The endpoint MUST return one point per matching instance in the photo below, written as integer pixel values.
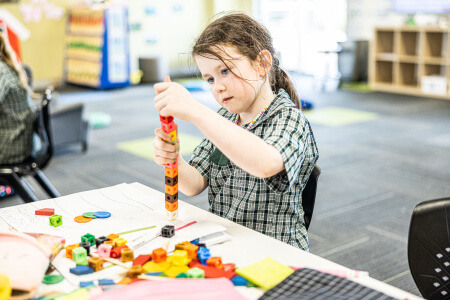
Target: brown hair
(9, 57)
(250, 38)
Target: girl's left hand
(174, 100)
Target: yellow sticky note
(265, 273)
(151, 266)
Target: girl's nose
(219, 88)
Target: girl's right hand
(164, 152)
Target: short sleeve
(287, 135)
(200, 158)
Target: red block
(141, 259)
(212, 272)
(117, 252)
(168, 127)
(166, 119)
(45, 212)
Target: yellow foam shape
(81, 294)
(173, 271)
(151, 266)
(265, 273)
(5, 287)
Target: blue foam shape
(81, 270)
(195, 242)
(239, 281)
(102, 214)
(86, 283)
(154, 273)
(106, 282)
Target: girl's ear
(264, 63)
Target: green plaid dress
(273, 205)
(16, 118)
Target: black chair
(309, 195)
(14, 175)
(429, 248)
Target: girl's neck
(263, 100)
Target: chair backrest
(429, 248)
(42, 129)
(309, 195)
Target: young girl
(259, 149)
(16, 108)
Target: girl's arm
(246, 150)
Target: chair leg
(46, 184)
(21, 188)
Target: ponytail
(9, 57)
(280, 80)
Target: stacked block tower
(171, 172)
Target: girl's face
(233, 93)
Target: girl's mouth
(225, 100)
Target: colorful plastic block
(117, 252)
(168, 172)
(171, 206)
(86, 284)
(171, 190)
(189, 248)
(172, 165)
(174, 270)
(95, 263)
(171, 198)
(127, 255)
(168, 127)
(120, 242)
(173, 136)
(215, 261)
(135, 271)
(87, 246)
(5, 287)
(55, 220)
(172, 215)
(88, 238)
(69, 249)
(151, 266)
(179, 258)
(45, 212)
(159, 255)
(104, 250)
(100, 240)
(111, 243)
(168, 231)
(106, 282)
(171, 180)
(239, 281)
(203, 254)
(81, 270)
(196, 273)
(167, 119)
(79, 256)
(212, 272)
(141, 259)
(113, 236)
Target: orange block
(191, 249)
(171, 172)
(159, 255)
(172, 190)
(69, 249)
(215, 262)
(172, 206)
(113, 236)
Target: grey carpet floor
(373, 172)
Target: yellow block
(120, 242)
(5, 287)
(173, 134)
(151, 266)
(173, 271)
(179, 258)
(265, 273)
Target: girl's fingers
(161, 86)
(163, 160)
(162, 134)
(167, 79)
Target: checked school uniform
(273, 205)
(16, 118)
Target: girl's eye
(225, 72)
(210, 80)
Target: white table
(248, 246)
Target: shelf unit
(406, 60)
(97, 48)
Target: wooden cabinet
(411, 60)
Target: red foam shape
(45, 212)
(212, 272)
(141, 259)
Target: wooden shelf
(406, 60)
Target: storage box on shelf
(97, 48)
(411, 60)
